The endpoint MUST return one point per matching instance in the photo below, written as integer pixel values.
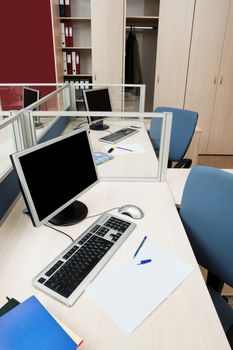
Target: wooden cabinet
(221, 130)
(107, 41)
(142, 17)
(203, 77)
(111, 23)
(163, 31)
(174, 35)
(194, 64)
(185, 52)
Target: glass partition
(14, 129)
(121, 95)
(33, 124)
(16, 96)
(59, 100)
(11, 97)
(134, 158)
(7, 147)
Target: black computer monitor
(97, 100)
(53, 174)
(30, 96)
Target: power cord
(106, 211)
(87, 217)
(77, 127)
(60, 231)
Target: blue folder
(29, 326)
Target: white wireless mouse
(131, 210)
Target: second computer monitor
(31, 96)
(97, 100)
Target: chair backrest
(207, 214)
(183, 127)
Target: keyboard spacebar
(66, 288)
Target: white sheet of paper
(135, 148)
(129, 293)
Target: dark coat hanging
(133, 73)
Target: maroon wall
(26, 42)
(26, 48)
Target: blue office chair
(207, 214)
(183, 127)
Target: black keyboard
(118, 135)
(66, 277)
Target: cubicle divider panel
(139, 163)
(134, 158)
(16, 129)
(121, 96)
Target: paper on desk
(129, 293)
(135, 148)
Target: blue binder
(30, 326)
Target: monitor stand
(71, 215)
(38, 123)
(99, 126)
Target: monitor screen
(53, 174)
(97, 100)
(30, 96)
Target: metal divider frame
(164, 145)
(24, 129)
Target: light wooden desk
(186, 320)
(129, 166)
(176, 179)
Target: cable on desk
(60, 231)
(77, 127)
(106, 211)
(91, 216)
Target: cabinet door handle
(158, 79)
(94, 76)
(221, 80)
(215, 80)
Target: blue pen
(125, 149)
(146, 261)
(140, 246)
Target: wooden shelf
(78, 75)
(142, 20)
(88, 19)
(76, 48)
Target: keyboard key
(54, 268)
